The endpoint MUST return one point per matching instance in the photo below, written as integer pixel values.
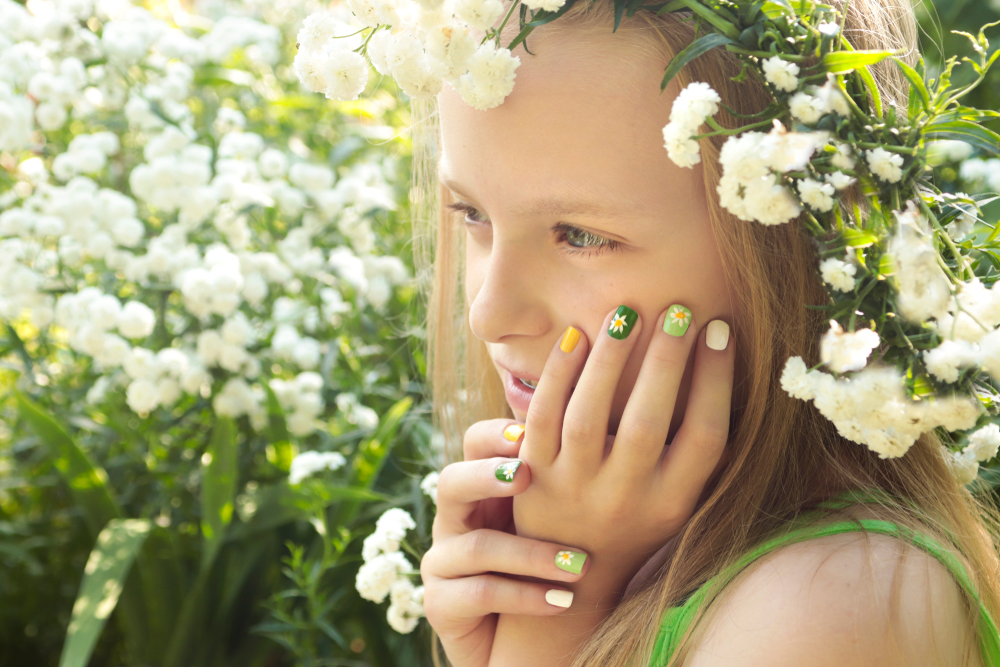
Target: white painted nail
(717, 336)
(559, 598)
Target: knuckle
(709, 434)
(577, 428)
(477, 545)
(643, 429)
(484, 591)
(446, 481)
(432, 605)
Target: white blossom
(797, 381)
(136, 320)
(838, 274)
(782, 74)
(963, 466)
(309, 463)
(924, 290)
(490, 77)
(946, 360)
(839, 180)
(345, 73)
(806, 108)
(984, 442)
(885, 164)
(429, 485)
(816, 195)
(376, 577)
(482, 14)
(847, 351)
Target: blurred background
(215, 447)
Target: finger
(464, 484)
(486, 550)
(642, 433)
(586, 423)
(701, 439)
(543, 427)
(454, 600)
(492, 437)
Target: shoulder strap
(677, 619)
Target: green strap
(677, 619)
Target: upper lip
(518, 374)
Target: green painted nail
(505, 471)
(571, 561)
(622, 322)
(677, 321)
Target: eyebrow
(559, 206)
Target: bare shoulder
(829, 601)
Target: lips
(518, 393)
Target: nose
(506, 297)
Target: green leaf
(856, 238)
(870, 84)
(841, 62)
(963, 130)
(916, 81)
(539, 18)
(218, 489)
(87, 481)
(103, 580)
(696, 48)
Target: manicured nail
(513, 432)
(505, 471)
(569, 340)
(677, 321)
(622, 322)
(717, 336)
(571, 561)
(559, 598)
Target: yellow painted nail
(569, 340)
(513, 432)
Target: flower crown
(910, 277)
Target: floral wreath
(911, 278)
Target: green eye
(579, 238)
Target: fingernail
(505, 471)
(677, 321)
(569, 340)
(513, 432)
(571, 561)
(622, 322)
(717, 336)
(559, 598)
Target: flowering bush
(203, 307)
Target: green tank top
(677, 619)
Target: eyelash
(598, 244)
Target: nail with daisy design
(677, 321)
(622, 322)
(505, 471)
(571, 561)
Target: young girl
(636, 486)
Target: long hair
(784, 456)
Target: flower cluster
(309, 463)
(224, 257)
(419, 43)
(385, 571)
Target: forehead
(585, 118)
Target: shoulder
(839, 600)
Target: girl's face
(573, 208)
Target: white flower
(681, 148)
(309, 463)
(696, 102)
(377, 48)
(376, 577)
(838, 274)
(797, 380)
(310, 67)
(450, 46)
(924, 290)
(741, 159)
(345, 73)
(839, 180)
(984, 442)
(843, 351)
(547, 5)
(963, 466)
(142, 395)
(833, 97)
(136, 320)
(394, 523)
(781, 74)
(786, 151)
(490, 77)
(317, 29)
(989, 351)
(366, 11)
(842, 157)
(806, 107)
(480, 14)
(962, 226)
(816, 195)
(429, 485)
(884, 164)
(378, 543)
(945, 361)
(769, 202)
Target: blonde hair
(784, 456)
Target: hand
(474, 544)
(620, 498)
